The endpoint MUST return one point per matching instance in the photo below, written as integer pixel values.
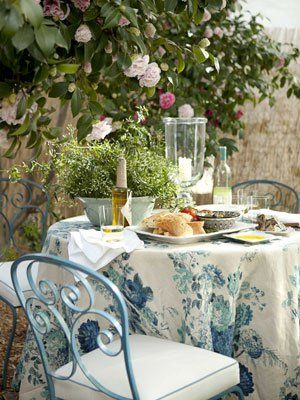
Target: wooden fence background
(271, 146)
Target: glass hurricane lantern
(185, 147)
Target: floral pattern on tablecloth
(222, 296)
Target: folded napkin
(284, 217)
(86, 247)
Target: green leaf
(130, 14)
(84, 126)
(46, 38)
(76, 102)
(60, 41)
(68, 68)
(10, 152)
(95, 108)
(200, 54)
(23, 38)
(32, 11)
(170, 5)
(109, 105)
(5, 89)
(151, 91)
(112, 19)
(22, 128)
(22, 106)
(41, 74)
(59, 89)
(124, 60)
(13, 22)
(181, 63)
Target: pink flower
(239, 114)
(87, 68)
(81, 4)
(138, 66)
(100, 130)
(123, 21)
(166, 100)
(206, 16)
(83, 34)
(281, 62)
(208, 33)
(161, 51)
(186, 111)
(218, 31)
(52, 9)
(151, 76)
(4, 141)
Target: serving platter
(239, 226)
(251, 237)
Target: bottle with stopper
(121, 196)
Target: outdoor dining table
(235, 299)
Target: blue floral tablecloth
(242, 301)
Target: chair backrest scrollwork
(282, 197)
(62, 306)
(20, 199)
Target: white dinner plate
(190, 239)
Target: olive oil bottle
(121, 196)
(222, 193)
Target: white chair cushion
(6, 286)
(163, 370)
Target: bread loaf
(152, 221)
(175, 225)
(197, 227)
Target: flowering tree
(91, 53)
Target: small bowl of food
(217, 220)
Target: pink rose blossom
(100, 130)
(83, 34)
(206, 16)
(218, 31)
(123, 21)
(186, 111)
(81, 4)
(239, 114)
(52, 9)
(151, 76)
(161, 51)
(87, 68)
(166, 100)
(138, 66)
(208, 33)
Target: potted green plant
(88, 172)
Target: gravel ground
(5, 326)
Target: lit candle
(185, 169)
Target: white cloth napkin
(86, 247)
(283, 217)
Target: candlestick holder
(185, 147)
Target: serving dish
(216, 220)
(239, 226)
(250, 237)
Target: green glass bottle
(222, 193)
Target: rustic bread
(175, 225)
(151, 222)
(185, 216)
(197, 227)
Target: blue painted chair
(16, 201)
(282, 197)
(123, 366)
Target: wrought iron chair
(122, 366)
(282, 197)
(16, 203)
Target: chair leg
(10, 342)
(234, 389)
